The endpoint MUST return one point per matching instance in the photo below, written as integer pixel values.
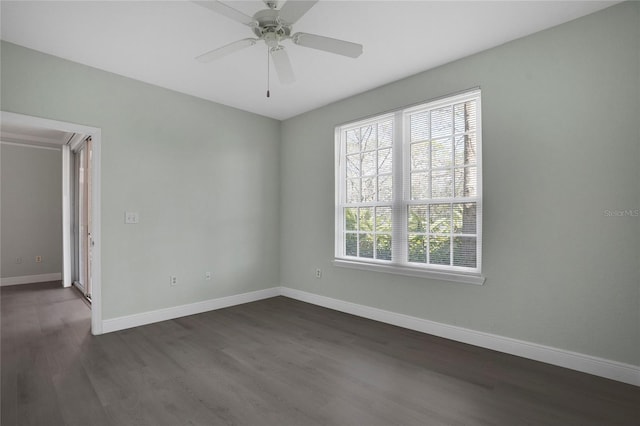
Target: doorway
(88, 266)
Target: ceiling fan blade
(295, 9)
(226, 50)
(283, 65)
(328, 44)
(228, 11)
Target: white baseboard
(144, 318)
(614, 370)
(30, 279)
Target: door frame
(96, 136)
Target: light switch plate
(131, 217)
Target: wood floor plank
(9, 385)
(274, 362)
(37, 402)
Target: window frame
(401, 200)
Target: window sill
(412, 272)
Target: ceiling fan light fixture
(271, 40)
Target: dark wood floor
(274, 362)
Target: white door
(82, 234)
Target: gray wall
(204, 178)
(31, 210)
(561, 145)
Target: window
(408, 191)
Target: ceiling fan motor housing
(270, 28)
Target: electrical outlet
(18, 260)
(173, 281)
(38, 259)
(318, 273)
(131, 218)
(207, 276)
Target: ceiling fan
(274, 26)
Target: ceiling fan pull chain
(268, 94)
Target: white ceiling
(156, 42)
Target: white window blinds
(408, 187)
